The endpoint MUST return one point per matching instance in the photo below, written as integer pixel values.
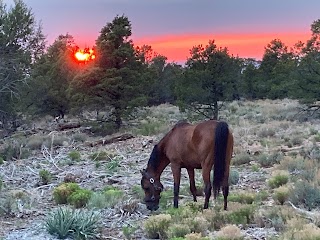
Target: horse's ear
(143, 171)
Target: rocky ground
(34, 200)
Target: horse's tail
(220, 150)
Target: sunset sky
(172, 27)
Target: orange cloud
(176, 47)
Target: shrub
(266, 132)
(279, 177)
(166, 199)
(156, 226)
(112, 165)
(106, 199)
(14, 150)
(242, 214)
(55, 141)
(79, 198)
(215, 217)
(102, 128)
(275, 216)
(63, 191)
(299, 231)
(98, 201)
(35, 142)
(113, 196)
(177, 230)
(101, 156)
(195, 236)
(1, 184)
(281, 194)
(233, 177)
(138, 191)
(78, 224)
(266, 160)
(128, 231)
(197, 224)
(230, 232)
(242, 158)
(45, 176)
(1, 160)
(305, 194)
(79, 137)
(243, 197)
(74, 156)
(151, 126)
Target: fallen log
(119, 138)
(64, 126)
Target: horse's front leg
(176, 171)
(193, 188)
(207, 186)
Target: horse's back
(190, 145)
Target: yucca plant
(78, 224)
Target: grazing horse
(207, 145)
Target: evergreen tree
(211, 76)
(119, 78)
(21, 44)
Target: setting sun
(85, 55)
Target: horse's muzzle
(153, 208)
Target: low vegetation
(274, 182)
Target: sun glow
(85, 55)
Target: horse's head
(152, 189)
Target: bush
(79, 198)
(178, 230)
(242, 214)
(278, 178)
(79, 137)
(195, 236)
(151, 126)
(266, 160)
(230, 232)
(35, 142)
(78, 224)
(281, 194)
(242, 158)
(1, 160)
(113, 196)
(275, 216)
(63, 191)
(112, 165)
(45, 176)
(301, 231)
(266, 132)
(102, 128)
(74, 156)
(14, 150)
(305, 194)
(243, 197)
(101, 156)
(233, 177)
(156, 226)
(197, 224)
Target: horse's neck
(158, 171)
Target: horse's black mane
(154, 158)
(181, 123)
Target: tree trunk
(215, 110)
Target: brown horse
(207, 145)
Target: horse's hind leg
(193, 188)
(176, 171)
(207, 186)
(225, 191)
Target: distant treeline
(37, 80)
